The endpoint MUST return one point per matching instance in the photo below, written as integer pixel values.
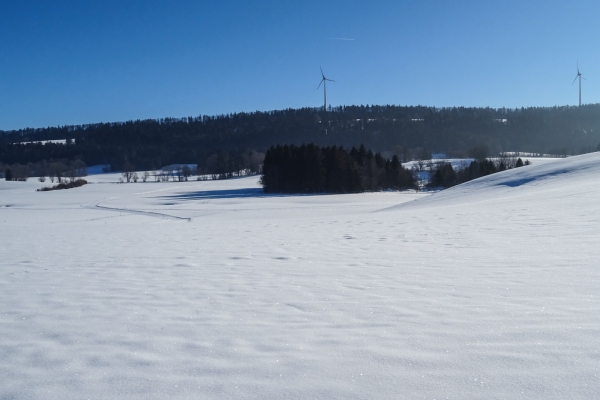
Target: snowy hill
(211, 289)
(573, 173)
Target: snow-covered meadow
(210, 289)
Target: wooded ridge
(406, 131)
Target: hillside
(409, 132)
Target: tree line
(444, 175)
(312, 169)
(58, 170)
(407, 132)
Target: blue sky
(75, 62)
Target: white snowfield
(212, 290)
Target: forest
(239, 140)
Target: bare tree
(164, 176)
(252, 161)
(128, 171)
(43, 170)
(80, 168)
(145, 176)
(56, 171)
(506, 161)
(170, 173)
(186, 172)
(20, 172)
(71, 173)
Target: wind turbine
(580, 77)
(324, 83)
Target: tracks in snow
(154, 214)
(139, 212)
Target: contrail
(340, 38)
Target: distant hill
(408, 132)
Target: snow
(211, 289)
(58, 141)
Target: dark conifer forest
(311, 169)
(407, 132)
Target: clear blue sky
(74, 62)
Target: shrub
(60, 186)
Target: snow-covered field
(211, 290)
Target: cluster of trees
(16, 173)
(55, 170)
(444, 175)
(220, 165)
(183, 172)
(313, 169)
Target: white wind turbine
(580, 77)
(324, 83)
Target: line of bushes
(64, 185)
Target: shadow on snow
(235, 194)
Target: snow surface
(192, 290)
(60, 141)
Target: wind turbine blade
(330, 80)
(322, 74)
(575, 79)
(320, 84)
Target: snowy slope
(532, 182)
(212, 290)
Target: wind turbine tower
(580, 77)
(324, 83)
